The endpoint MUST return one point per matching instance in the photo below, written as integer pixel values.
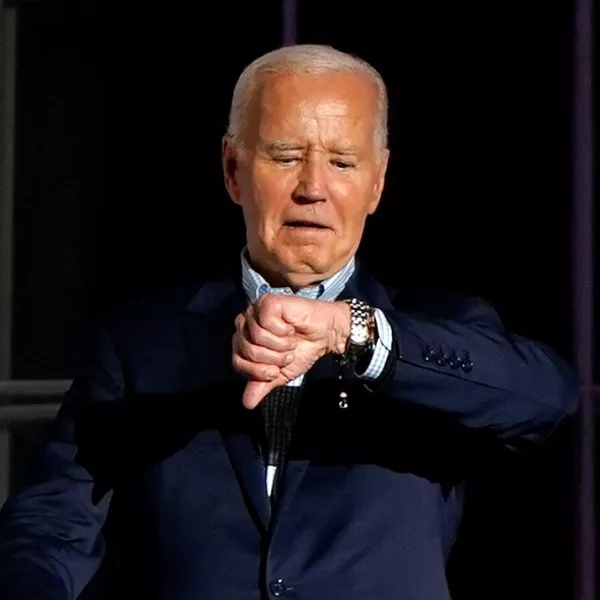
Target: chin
(308, 263)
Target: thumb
(256, 391)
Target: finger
(255, 393)
(240, 322)
(260, 354)
(268, 314)
(260, 336)
(255, 371)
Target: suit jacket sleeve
(50, 530)
(460, 361)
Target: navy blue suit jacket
(151, 466)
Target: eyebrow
(280, 146)
(345, 150)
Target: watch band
(361, 340)
(362, 326)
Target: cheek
(265, 203)
(355, 200)
(271, 191)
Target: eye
(342, 164)
(286, 160)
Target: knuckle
(265, 305)
(250, 352)
(253, 330)
(260, 303)
(304, 316)
(236, 361)
(265, 371)
(267, 322)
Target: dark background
(119, 193)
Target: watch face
(360, 336)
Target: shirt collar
(255, 285)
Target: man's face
(307, 174)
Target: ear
(379, 181)
(230, 156)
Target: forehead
(328, 104)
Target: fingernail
(272, 372)
(289, 358)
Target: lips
(304, 223)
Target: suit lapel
(208, 329)
(250, 474)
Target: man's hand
(279, 338)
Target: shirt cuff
(382, 349)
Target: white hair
(309, 59)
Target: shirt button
(277, 588)
(263, 289)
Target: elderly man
(297, 429)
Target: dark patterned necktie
(279, 410)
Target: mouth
(305, 224)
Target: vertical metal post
(289, 22)
(8, 43)
(4, 473)
(8, 49)
(583, 292)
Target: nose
(311, 182)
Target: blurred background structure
(110, 188)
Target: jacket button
(277, 588)
(429, 354)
